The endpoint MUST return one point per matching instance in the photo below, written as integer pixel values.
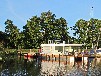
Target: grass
(28, 50)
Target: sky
(19, 11)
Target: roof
(62, 44)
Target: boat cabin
(59, 48)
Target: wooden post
(59, 59)
(66, 59)
(27, 55)
(83, 60)
(49, 57)
(46, 57)
(55, 57)
(52, 57)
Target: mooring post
(66, 59)
(49, 57)
(46, 57)
(55, 57)
(52, 57)
(27, 55)
(59, 59)
(83, 60)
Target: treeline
(46, 27)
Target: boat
(30, 54)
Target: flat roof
(62, 44)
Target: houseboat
(59, 48)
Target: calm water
(15, 66)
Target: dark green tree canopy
(12, 33)
(40, 29)
(46, 27)
(88, 32)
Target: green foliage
(28, 50)
(53, 28)
(32, 33)
(88, 32)
(46, 27)
(10, 50)
(39, 30)
(12, 33)
(2, 39)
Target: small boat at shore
(30, 54)
(33, 55)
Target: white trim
(62, 44)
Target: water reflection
(19, 67)
(32, 67)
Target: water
(16, 66)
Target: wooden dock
(66, 58)
(60, 58)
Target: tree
(12, 33)
(2, 39)
(32, 33)
(41, 29)
(53, 28)
(88, 32)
